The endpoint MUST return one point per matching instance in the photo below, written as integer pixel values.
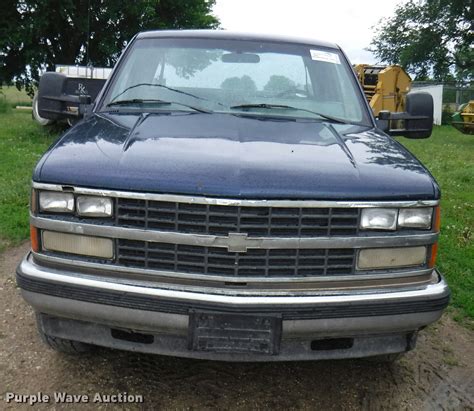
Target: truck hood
(227, 155)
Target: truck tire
(42, 121)
(71, 121)
(61, 344)
(65, 346)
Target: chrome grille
(218, 261)
(223, 219)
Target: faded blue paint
(226, 155)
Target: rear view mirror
(54, 103)
(416, 122)
(240, 58)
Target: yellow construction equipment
(385, 87)
(463, 120)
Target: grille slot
(222, 219)
(218, 261)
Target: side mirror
(416, 122)
(54, 103)
(420, 107)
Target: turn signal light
(34, 238)
(78, 244)
(434, 253)
(386, 258)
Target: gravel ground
(439, 374)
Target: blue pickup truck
(231, 197)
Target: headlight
(85, 206)
(56, 202)
(90, 206)
(379, 218)
(373, 258)
(415, 217)
(391, 218)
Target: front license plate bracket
(234, 333)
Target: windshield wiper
(154, 101)
(136, 101)
(285, 107)
(162, 86)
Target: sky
(345, 22)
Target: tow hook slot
(329, 344)
(234, 284)
(131, 336)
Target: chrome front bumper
(81, 307)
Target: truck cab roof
(234, 35)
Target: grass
(4, 105)
(22, 141)
(14, 97)
(448, 154)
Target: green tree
(279, 84)
(430, 38)
(244, 84)
(37, 34)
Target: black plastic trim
(149, 303)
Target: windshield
(238, 77)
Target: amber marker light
(436, 228)
(34, 238)
(434, 252)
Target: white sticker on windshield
(325, 56)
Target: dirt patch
(439, 374)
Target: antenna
(88, 63)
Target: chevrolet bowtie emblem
(237, 242)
